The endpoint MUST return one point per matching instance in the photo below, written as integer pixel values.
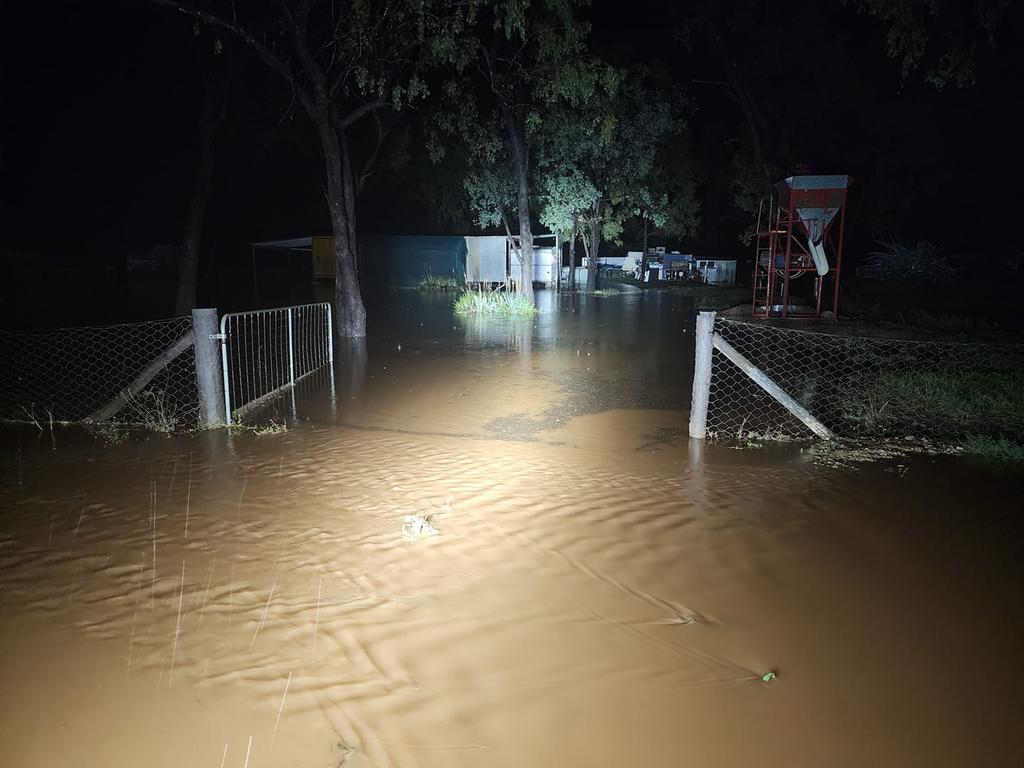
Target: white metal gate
(264, 353)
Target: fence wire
(866, 387)
(68, 374)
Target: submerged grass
(152, 410)
(272, 427)
(432, 282)
(494, 303)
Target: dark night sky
(99, 104)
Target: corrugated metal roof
(294, 243)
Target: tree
(565, 196)
(492, 188)
(221, 71)
(527, 60)
(939, 36)
(600, 162)
(342, 61)
(747, 48)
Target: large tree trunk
(595, 244)
(525, 245)
(348, 178)
(556, 266)
(521, 156)
(215, 103)
(572, 260)
(350, 314)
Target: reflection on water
(601, 592)
(426, 369)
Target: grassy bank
(705, 297)
(985, 408)
(993, 448)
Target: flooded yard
(599, 592)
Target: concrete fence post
(703, 347)
(209, 379)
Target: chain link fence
(862, 388)
(136, 373)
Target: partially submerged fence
(267, 351)
(754, 380)
(139, 372)
(163, 374)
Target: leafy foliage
(611, 161)
(342, 61)
(940, 35)
(531, 60)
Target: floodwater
(599, 592)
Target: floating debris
(417, 526)
(768, 677)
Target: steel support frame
(782, 224)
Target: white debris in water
(417, 527)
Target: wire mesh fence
(138, 373)
(867, 388)
(269, 350)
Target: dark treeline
(110, 114)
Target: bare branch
(511, 240)
(268, 56)
(371, 161)
(362, 111)
(300, 43)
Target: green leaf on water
(768, 677)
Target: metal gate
(266, 352)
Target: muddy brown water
(600, 593)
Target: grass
(952, 323)
(431, 282)
(153, 410)
(110, 432)
(494, 303)
(749, 439)
(272, 427)
(705, 296)
(993, 448)
(937, 324)
(944, 403)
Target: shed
(486, 258)
(490, 260)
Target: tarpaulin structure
(392, 261)
(401, 261)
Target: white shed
(487, 259)
(490, 260)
